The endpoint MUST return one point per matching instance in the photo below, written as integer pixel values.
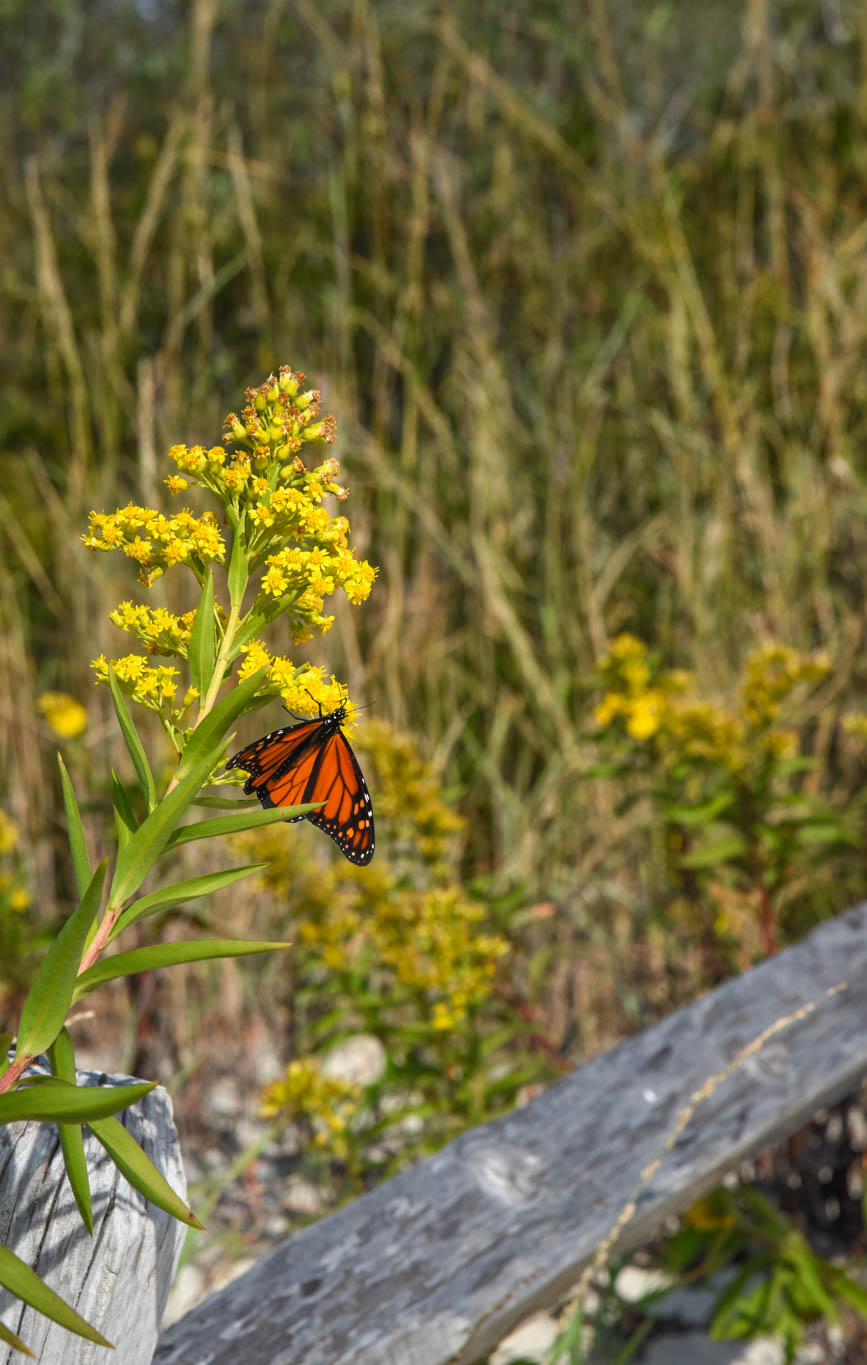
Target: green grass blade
(200, 655)
(231, 824)
(25, 1284)
(182, 891)
(62, 1060)
(75, 832)
(140, 1171)
(133, 743)
(47, 1099)
(169, 955)
(44, 1011)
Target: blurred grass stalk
(596, 333)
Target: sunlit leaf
(62, 1061)
(182, 891)
(139, 1170)
(75, 832)
(169, 955)
(25, 1284)
(57, 1102)
(45, 1009)
(200, 654)
(231, 824)
(131, 738)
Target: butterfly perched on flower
(312, 761)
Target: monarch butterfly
(312, 761)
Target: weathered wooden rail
(438, 1264)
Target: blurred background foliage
(587, 293)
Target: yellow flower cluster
(329, 1102)
(433, 944)
(302, 687)
(652, 705)
(153, 687)
(771, 674)
(14, 895)
(66, 716)
(157, 542)
(162, 631)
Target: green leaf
(75, 832)
(139, 1170)
(125, 822)
(200, 655)
(133, 743)
(62, 1060)
(231, 824)
(690, 817)
(239, 571)
(848, 1289)
(25, 1284)
(5, 1044)
(180, 892)
(136, 860)
(210, 731)
(222, 802)
(11, 1340)
(44, 1011)
(716, 851)
(50, 1100)
(169, 955)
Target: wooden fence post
(119, 1279)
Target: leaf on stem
(133, 743)
(47, 1099)
(182, 891)
(25, 1284)
(139, 1170)
(244, 819)
(200, 655)
(45, 1009)
(125, 822)
(61, 1058)
(169, 955)
(75, 832)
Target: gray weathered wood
(441, 1262)
(119, 1279)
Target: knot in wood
(508, 1174)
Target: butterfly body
(312, 761)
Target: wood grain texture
(438, 1264)
(119, 1279)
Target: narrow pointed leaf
(139, 1170)
(125, 822)
(25, 1284)
(222, 802)
(239, 570)
(231, 824)
(133, 743)
(75, 832)
(11, 1340)
(5, 1044)
(51, 1100)
(151, 837)
(62, 1060)
(169, 955)
(48, 1000)
(200, 654)
(182, 891)
(215, 724)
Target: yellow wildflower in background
(66, 716)
(330, 1103)
(8, 833)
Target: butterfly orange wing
(312, 761)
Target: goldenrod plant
(285, 553)
(726, 788)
